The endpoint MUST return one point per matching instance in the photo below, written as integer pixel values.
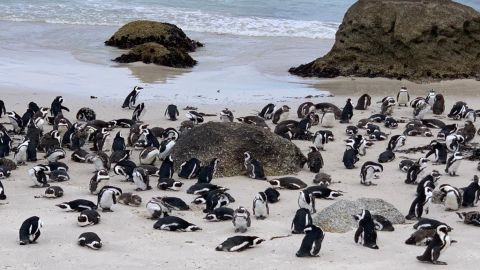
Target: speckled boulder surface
(337, 218)
(228, 142)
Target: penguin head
(285, 108)
(475, 179)
(442, 229)
(313, 149)
(64, 206)
(211, 217)
(11, 114)
(214, 162)
(199, 200)
(137, 88)
(192, 228)
(247, 156)
(257, 241)
(275, 183)
(95, 245)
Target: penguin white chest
(451, 202)
(403, 98)
(260, 209)
(328, 119)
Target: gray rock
(337, 218)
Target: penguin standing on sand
(241, 219)
(306, 200)
(16, 122)
(21, 156)
(396, 142)
(166, 169)
(189, 169)
(451, 197)
(260, 206)
(440, 242)
(347, 112)
(207, 173)
(301, 220)
(471, 193)
(172, 112)
(366, 230)
(131, 99)
(403, 97)
(420, 203)
(57, 107)
(363, 102)
(312, 242)
(254, 167)
(321, 138)
(439, 152)
(314, 160)
(118, 142)
(281, 114)
(305, 109)
(226, 115)
(267, 111)
(453, 163)
(141, 179)
(138, 112)
(328, 119)
(430, 99)
(439, 104)
(350, 157)
(368, 171)
(416, 171)
(107, 197)
(30, 230)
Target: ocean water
(295, 18)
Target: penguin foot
(107, 210)
(439, 263)
(410, 217)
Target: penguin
(439, 151)
(2, 108)
(396, 142)
(53, 192)
(239, 243)
(314, 160)
(453, 142)
(322, 192)
(57, 107)
(97, 178)
(312, 242)
(273, 195)
(122, 122)
(125, 168)
(420, 237)
(131, 199)
(322, 179)
(321, 138)
(148, 156)
(138, 112)
(151, 170)
(378, 118)
(100, 160)
(141, 179)
(403, 97)
(174, 203)
(88, 217)
(21, 156)
(156, 208)
(368, 171)
(363, 102)
(241, 219)
(254, 120)
(391, 122)
(351, 130)
(405, 165)
(166, 169)
(453, 163)
(471, 218)
(421, 108)
(4, 172)
(253, 166)
(382, 223)
(429, 224)
(451, 197)
(306, 200)
(260, 206)
(350, 157)
(194, 117)
(304, 109)
(189, 169)
(347, 112)
(378, 136)
(77, 205)
(59, 176)
(267, 111)
(226, 115)
(39, 176)
(16, 122)
(207, 173)
(131, 98)
(2, 192)
(371, 128)
(107, 197)
(203, 188)
(420, 203)
(281, 114)
(86, 114)
(328, 119)
(301, 220)
(118, 142)
(447, 130)
(288, 182)
(416, 171)
(471, 193)
(469, 114)
(439, 243)
(433, 123)
(438, 106)
(457, 110)
(468, 131)
(171, 223)
(366, 230)
(169, 183)
(91, 240)
(30, 230)
(387, 105)
(220, 214)
(172, 112)
(53, 155)
(166, 148)
(217, 198)
(430, 98)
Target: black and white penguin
(151, 170)
(39, 176)
(378, 118)
(102, 176)
(323, 192)
(194, 117)
(403, 97)
(457, 110)
(421, 108)
(321, 138)
(322, 179)
(207, 173)
(371, 128)
(328, 119)
(4, 172)
(391, 122)
(382, 223)
(156, 208)
(446, 131)
(118, 142)
(77, 205)
(220, 214)
(59, 176)
(468, 131)
(440, 242)
(189, 169)
(172, 112)
(122, 122)
(2, 108)
(267, 111)
(420, 203)
(57, 107)
(21, 156)
(107, 197)
(350, 157)
(166, 147)
(30, 230)
(131, 98)
(301, 220)
(273, 195)
(430, 98)
(439, 150)
(239, 243)
(420, 237)
(91, 240)
(148, 156)
(433, 123)
(55, 154)
(203, 188)
(368, 171)
(314, 160)
(471, 193)
(281, 114)
(416, 171)
(88, 217)
(306, 200)
(312, 242)
(86, 114)
(451, 197)
(226, 115)
(363, 102)
(378, 136)
(260, 206)
(288, 182)
(16, 122)
(124, 168)
(172, 223)
(169, 183)
(453, 163)
(351, 130)
(438, 106)
(453, 142)
(366, 233)
(131, 199)
(387, 105)
(217, 198)
(405, 165)
(470, 218)
(138, 112)
(305, 109)
(100, 161)
(241, 219)
(2, 192)
(141, 179)
(174, 203)
(253, 166)
(396, 141)
(166, 169)
(429, 224)
(347, 112)
(53, 192)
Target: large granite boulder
(140, 32)
(338, 218)
(228, 142)
(155, 53)
(412, 39)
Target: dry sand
(130, 242)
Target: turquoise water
(297, 18)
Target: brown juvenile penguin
(439, 104)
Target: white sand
(131, 242)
